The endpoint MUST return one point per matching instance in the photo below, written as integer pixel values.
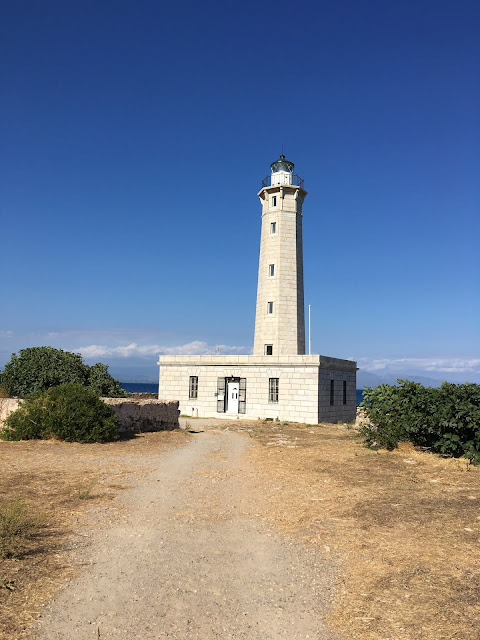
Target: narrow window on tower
(273, 389)
(273, 227)
(193, 387)
(274, 201)
(269, 349)
(271, 270)
(344, 392)
(269, 308)
(332, 393)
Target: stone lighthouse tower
(278, 381)
(280, 316)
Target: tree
(103, 383)
(37, 369)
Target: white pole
(309, 333)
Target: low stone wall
(8, 406)
(361, 419)
(136, 416)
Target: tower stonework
(280, 316)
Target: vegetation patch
(403, 528)
(37, 369)
(17, 527)
(68, 412)
(443, 420)
(58, 476)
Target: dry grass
(58, 482)
(404, 527)
(18, 526)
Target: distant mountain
(366, 379)
(149, 374)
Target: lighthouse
(278, 381)
(280, 316)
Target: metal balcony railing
(297, 181)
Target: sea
(152, 387)
(140, 387)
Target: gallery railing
(297, 181)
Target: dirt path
(190, 557)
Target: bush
(68, 412)
(445, 420)
(16, 526)
(37, 369)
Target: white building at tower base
(298, 388)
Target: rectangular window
(344, 392)
(271, 270)
(332, 393)
(193, 387)
(269, 349)
(269, 308)
(273, 227)
(273, 389)
(274, 201)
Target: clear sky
(135, 135)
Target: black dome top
(282, 164)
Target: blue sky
(135, 136)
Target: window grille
(221, 395)
(273, 389)
(193, 387)
(242, 396)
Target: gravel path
(192, 557)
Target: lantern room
(282, 171)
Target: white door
(232, 396)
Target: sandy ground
(189, 555)
(243, 530)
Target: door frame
(232, 380)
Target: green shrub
(16, 527)
(37, 369)
(68, 412)
(103, 383)
(445, 420)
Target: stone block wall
(137, 416)
(301, 394)
(338, 411)
(134, 416)
(297, 391)
(7, 406)
(284, 329)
